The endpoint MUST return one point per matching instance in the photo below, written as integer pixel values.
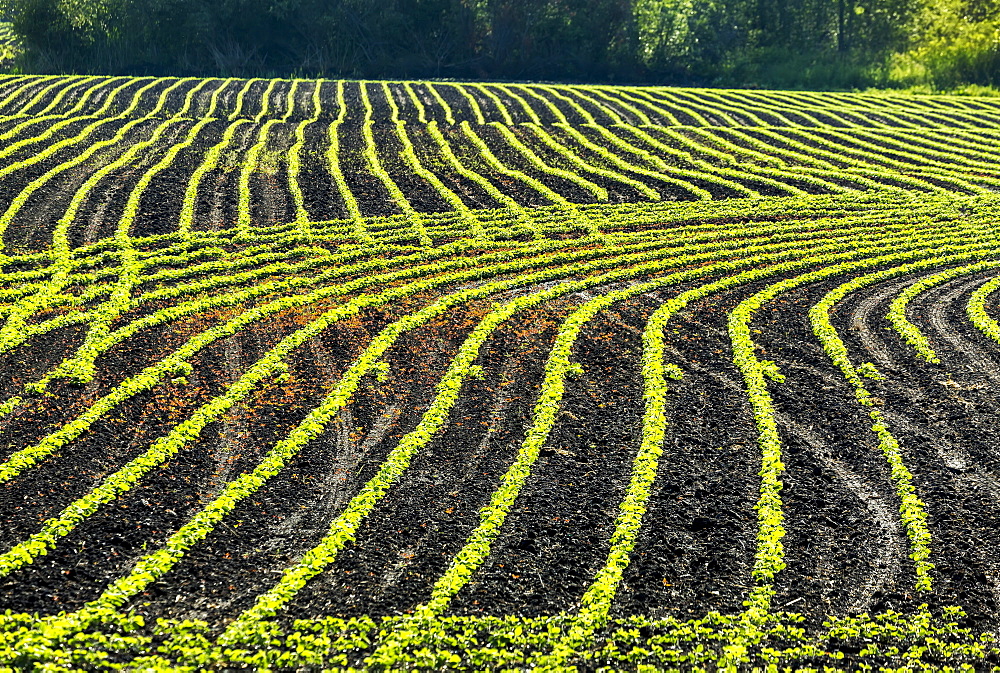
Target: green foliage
(803, 43)
(956, 42)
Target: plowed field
(315, 375)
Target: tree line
(767, 43)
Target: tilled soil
(845, 545)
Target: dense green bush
(768, 43)
(957, 42)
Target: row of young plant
(241, 96)
(15, 330)
(207, 282)
(313, 258)
(923, 151)
(640, 108)
(491, 160)
(828, 178)
(100, 120)
(295, 157)
(100, 338)
(512, 92)
(844, 146)
(474, 106)
(668, 116)
(766, 145)
(753, 113)
(21, 199)
(154, 373)
(607, 136)
(122, 235)
(496, 221)
(756, 158)
(715, 107)
(12, 332)
(331, 267)
(496, 100)
(596, 602)
(189, 98)
(691, 107)
(370, 154)
(45, 120)
(911, 509)
(446, 152)
(915, 176)
(890, 641)
(920, 112)
(675, 106)
(877, 208)
(413, 161)
(216, 282)
(89, 256)
(871, 174)
(92, 254)
(502, 500)
(896, 316)
(547, 139)
(615, 175)
(80, 367)
(593, 216)
(539, 164)
(11, 108)
(12, 86)
(311, 426)
(707, 172)
(414, 98)
(394, 650)
(979, 144)
(495, 498)
(576, 98)
(202, 303)
(343, 528)
(411, 626)
(769, 558)
(333, 163)
(89, 271)
(976, 310)
(813, 110)
(248, 167)
(823, 112)
(449, 115)
(183, 434)
(161, 294)
(92, 149)
(209, 164)
(185, 108)
(175, 261)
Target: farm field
(327, 375)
